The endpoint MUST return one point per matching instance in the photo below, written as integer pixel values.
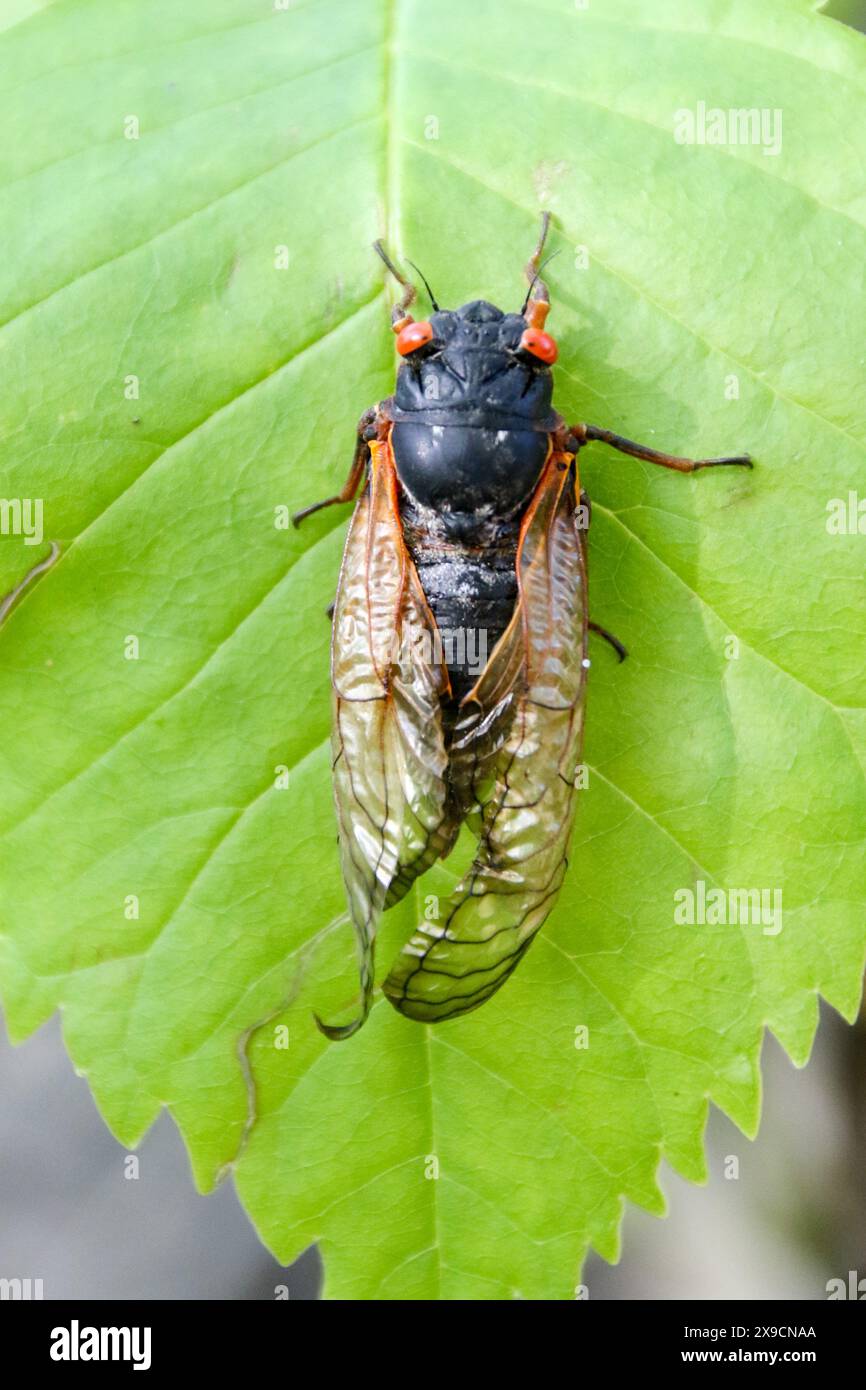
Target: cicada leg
(367, 430)
(584, 434)
(621, 651)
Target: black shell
(472, 372)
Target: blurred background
(793, 1219)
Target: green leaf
(717, 306)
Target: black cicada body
(459, 648)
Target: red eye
(413, 336)
(540, 344)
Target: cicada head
(476, 365)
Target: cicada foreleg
(367, 430)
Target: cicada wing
(515, 753)
(393, 808)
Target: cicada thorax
(463, 496)
(471, 432)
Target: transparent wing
(513, 761)
(394, 812)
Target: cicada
(459, 654)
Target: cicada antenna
(545, 298)
(531, 269)
(542, 302)
(541, 299)
(400, 312)
(426, 284)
